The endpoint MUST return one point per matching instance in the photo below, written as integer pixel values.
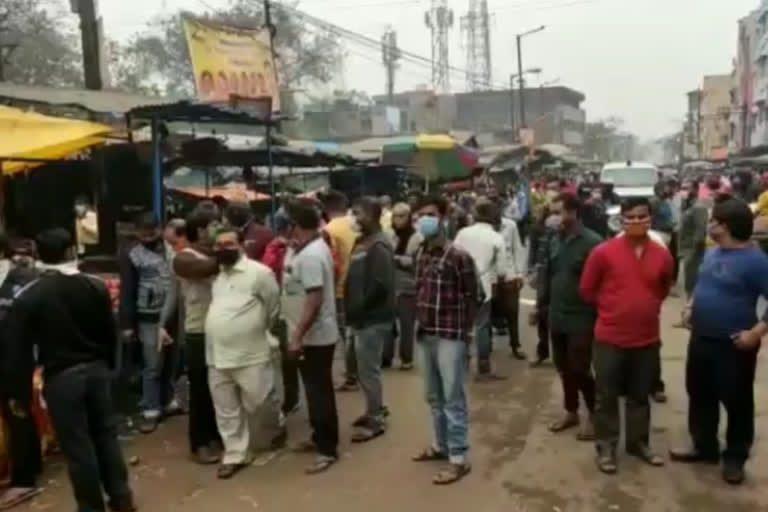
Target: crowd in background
(252, 314)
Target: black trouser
(573, 358)
(80, 405)
(406, 316)
(675, 259)
(618, 371)
(289, 368)
(718, 372)
(542, 328)
(506, 307)
(23, 446)
(202, 416)
(316, 373)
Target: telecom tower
(439, 19)
(390, 54)
(475, 27)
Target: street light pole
(519, 39)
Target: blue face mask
(429, 226)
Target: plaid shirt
(446, 285)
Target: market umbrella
(433, 157)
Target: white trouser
(246, 403)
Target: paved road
(518, 465)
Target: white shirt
(488, 251)
(515, 251)
(197, 298)
(245, 301)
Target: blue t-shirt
(729, 285)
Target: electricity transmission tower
(390, 54)
(475, 27)
(439, 19)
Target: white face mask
(80, 209)
(554, 221)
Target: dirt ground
(518, 466)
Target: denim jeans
(157, 377)
(369, 346)
(483, 337)
(443, 363)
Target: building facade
(714, 117)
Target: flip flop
(451, 474)
(321, 464)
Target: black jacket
(370, 288)
(68, 317)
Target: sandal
(365, 434)
(321, 464)
(17, 495)
(451, 473)
(429, 455)
(564, 423)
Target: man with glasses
(627, 279)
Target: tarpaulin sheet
(30, 135)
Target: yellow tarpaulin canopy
(30, 135)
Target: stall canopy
(433, 157)
(28, 139)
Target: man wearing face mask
(447, 298)
(571, 319)
(86, 225)
(239, 351)
(627, 278)
(370, 308)
(722, 354)
(148, 295)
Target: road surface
(518, 466)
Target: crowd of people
(249, 313)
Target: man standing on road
(572, 321)
(66, 317)
(627, 278)
(489, 253)
(447, 290)
(725, 340)
(507, 293)
(342, 237)
(256, 236)
(309, 309)
(196, 267)
(240, 351)
(370, 309)
(148, 293)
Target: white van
(628, 179)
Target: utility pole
(91, 41)
(520, 76)
(390, 54)
(512, 105)
(521, 80)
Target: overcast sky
(634, 59)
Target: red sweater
(628, 291)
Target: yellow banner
(228, 60)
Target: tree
(159, 58)
(37, 45)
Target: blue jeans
(369, 347)
(483, 338)
(444, 366)
(158, 376)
